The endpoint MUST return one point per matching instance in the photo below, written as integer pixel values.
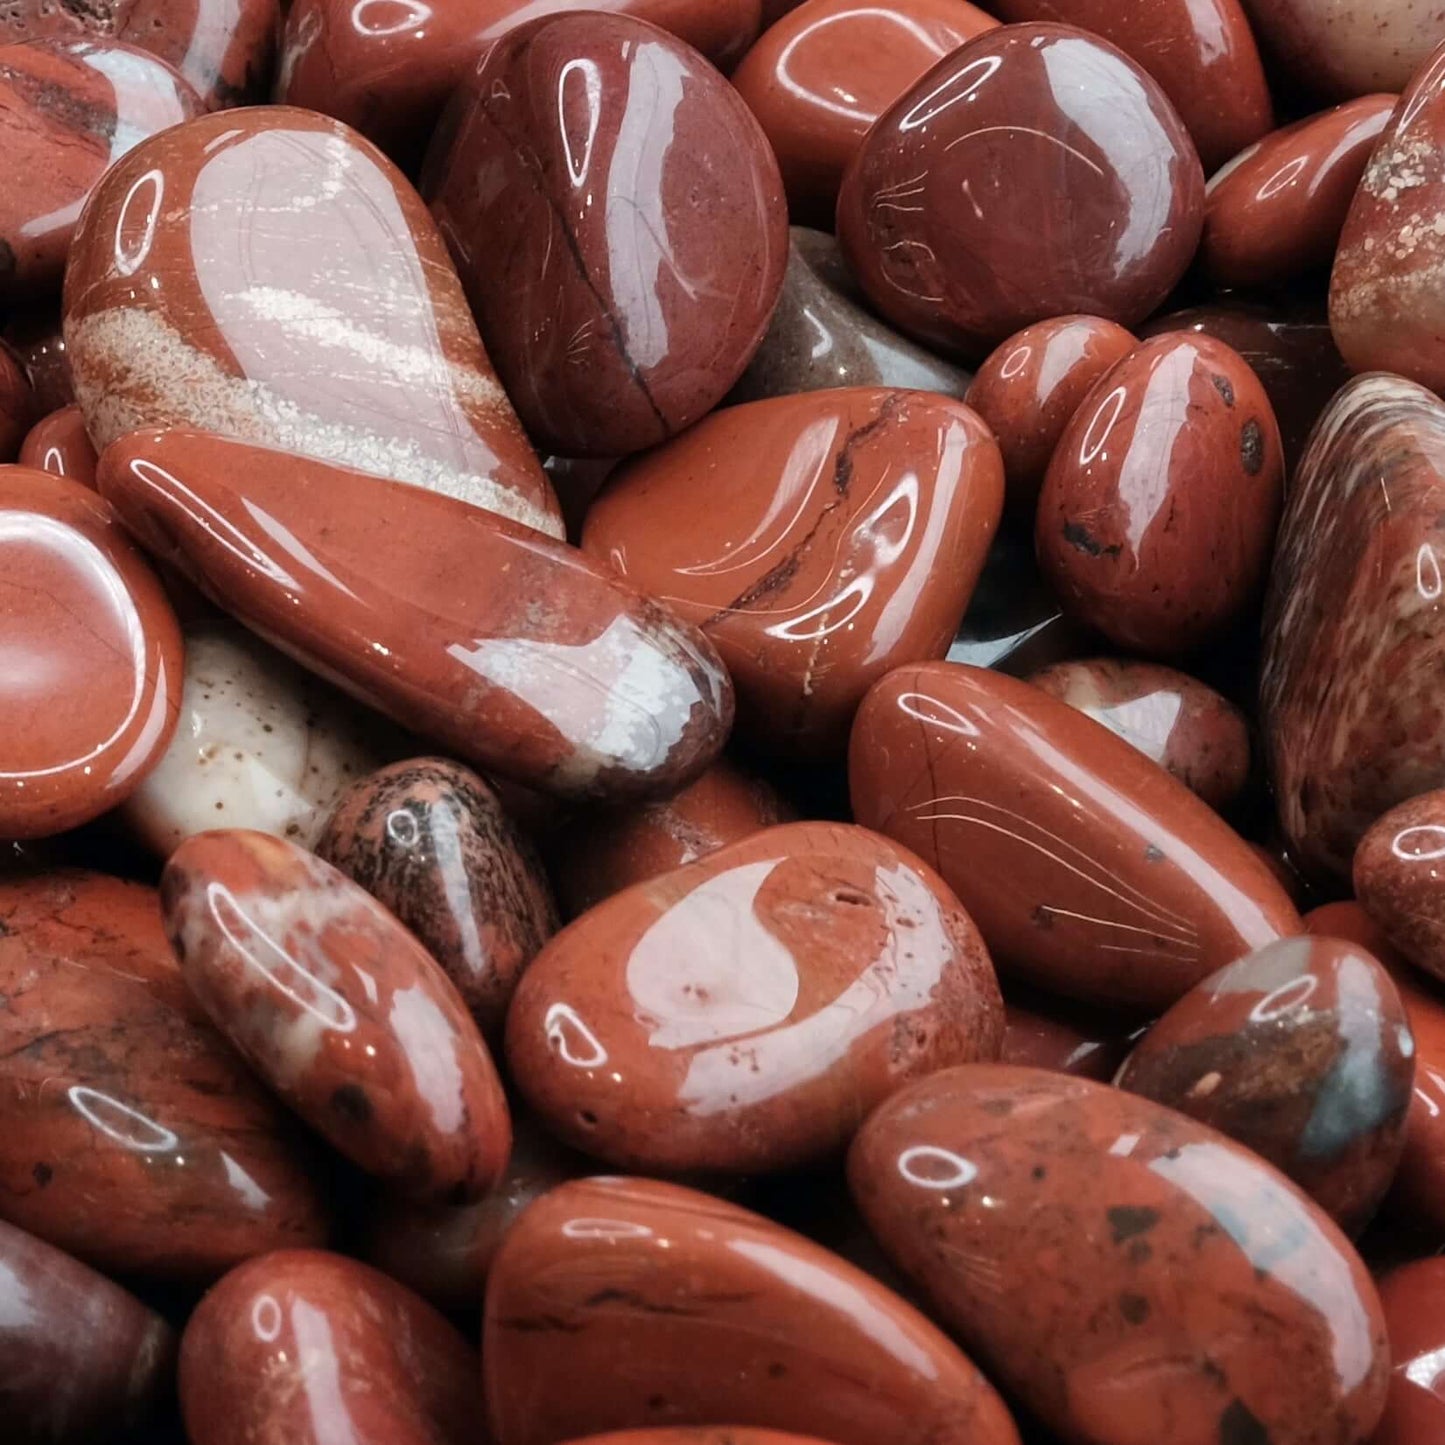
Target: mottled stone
(208, 288)
(59, 444)
(640, 267)
(1177, 1286)
(624, 1303)
(1399, 875)
(1037, 171)
(429, 840)
(1413, 1297)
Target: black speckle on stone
(1251, 447)
(350, 1100)
(777, 1370)
(1134, 1308)
(1224, 387)
(1238, 1426)
(1128, 1221)
(1040, 1172)
(42, 1174)
(1042, 917)
(1082, 539)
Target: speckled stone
(1399, 875)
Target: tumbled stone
(130, 1135)
(746, 1011)
(1175, 720)
(339, 1009)
(69, 109)
(1003, 189)
(17, 405)
(1353, 627)
(59, 444)
(1399, 875)
(512, 650)
(429, 840)
(848, 543)
(93, 658)
(34, 338)
(1088, 869)
(1050, 1033)
(636, 279)
(1158, 512)
(628, 1303)
(313, 1348)
(208, 288)
(1413, 1298)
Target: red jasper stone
(1046, 1033)
(1177, 721)
(130, 1134)
(514, 651)
(321, 317)
(82, 1362)
(1176, 1283)
(1349, 706)
(628, 1303)
(93, 658)
(820, 77)
(1413, 1297)
(339, 1009)
(1158, 512)
(1301, 1052)
(1399, 875)
(389, 69)
(850, 543)
(746, 1011)
(1029, 386)
(428, 839)
(223, 52)
(17, 405)
(645, 248)
(69, 109)
(59, 444)
(1087, 868)
(310, 1348)
(1277, 209)
(34, 338)
(700, 1435)
(1035, 172)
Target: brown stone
(34, 338)
(60, 444)
(1413, 1298)
(1399, 875)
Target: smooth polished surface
(59, 444)
(1399, 875)
(34, 337)
(1088, 869)
(68, 111)
(1413, 1297)
(1041, 1032)
(311, 1348)
(1035, 172)
(1159, 508)
(339, 1010)
(1275, 212)
(1029, 386)
(92, 657)
(610, 1294)
(1175, 720)
(18, 404)
(746, 1011)
(336, 330)
(512, 650)
(644, 223)
(1301, 1052)
(389, 68)
(82, 1362)
(130, 1134)
(1179, 1287)
(819, 79)
(1349, 708)
(847, 542)
(429, 840)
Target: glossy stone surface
(1158, 511)
(68, 111)
(756, 1004)
(1301, 1052)
(388, 70)
(93, 658)
(1276, 210)
(609, 1292)
(1399, 874)
(848, 544)
(821, 337)
(17, 405)
(339, 330)
(819, 79)
(130, 1134)
(641, 265)
(34, 338)
(511, 650)
(59, 444)
(340, 1010)
(311, 1348)
(1353, 624)
(82, 1362)
(1413, 1297)
(1173, 719)
(1035, 172)
(1047, 1033)
(224, 52)
(429, 840)
(700, 1435)
(601, 853)
(1088, 869)
(1029, 386)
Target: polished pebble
(59, 443)
(1413, 1297)
(18, 404)
(1049, 1033)
(33, 337)
(1399, 876)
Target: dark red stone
(33, 337)
(1413, 1297)
(1399, 875)
(60, 444)
(18, 405)
(1048, 1033)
